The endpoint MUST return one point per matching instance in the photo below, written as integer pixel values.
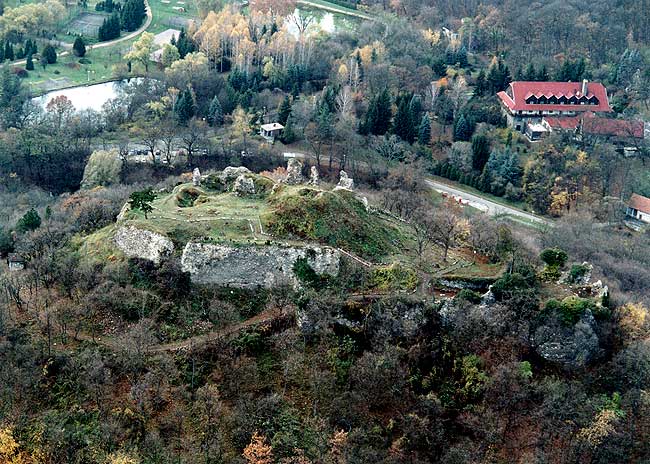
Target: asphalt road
(485, 205)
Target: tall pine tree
(215, 113)
(284, 111)
(185, 107)
(379, 114)
(424, 130)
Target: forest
(448, 334)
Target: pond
(321, 20)
(85, 97)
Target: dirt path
(115, 344)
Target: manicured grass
(68, 72)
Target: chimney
(585, 85)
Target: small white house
(15, 262)
(639, 208)
(271, 131)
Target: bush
(85, 61)
(20, 72)
(551, 274)
(469, 295)
(554, 257)
(577, 272)
(305, 273)
(393, 277)
(570, 309)
(508, 285)
(50, 54)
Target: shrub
(85, 61)
(469, 295)
(393, 277)
(305, 273)
(509, 284)
(570, 309)
(50, 54)
(550, 274)
(577, 272)
(554, 257)
(20, 72)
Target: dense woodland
(336, 377)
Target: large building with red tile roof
(526, 102)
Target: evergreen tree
(481, 84)
(9, 51)
(360, 65)
(185, 107)
(50, 54)
(215, 113)
(289, 134)
(184, 44)
(439, 67)
(79, 47)
(284, 111)
(29, 64)
(133, 13)
(542, 74)
(2, 52)
(498, 76)
(30, 221)
(480, 152)
(530, 74)
(462, 129)
(424, 130)
(403, 125)
(110, 29)
(377, 121)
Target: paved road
(485, 205)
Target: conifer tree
(50, 54)
(377, 121)
(480, 152)
(481, 85)
(404, 124)
(185, 107)
(9, 51)
(133, 13)
(29, 64)
(215, 113)
(79, 47)
(424, 130)
(284, 111)
(462, 129)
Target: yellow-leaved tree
(258, 451)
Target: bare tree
(448, 227)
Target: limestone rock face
(243, 186)
(123, 212)
(231, 173)
(253, 266)
(196, 177)
(144, 244)
(345, 182)
(294, 172)
(573, 347)
(314, 177)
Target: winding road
(487, 206)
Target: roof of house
(640, 203)
(15, 258)
(521, 90)
(592, 124)
(567, 123)
(272, 126)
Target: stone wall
(139, 243)
(250, 266)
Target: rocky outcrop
(196, 177)
(345, 182)
(144, 244)
(294, 172)
(573, 347)
(243, 186)
(314, 176)
(253, 266)
(231, 173)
